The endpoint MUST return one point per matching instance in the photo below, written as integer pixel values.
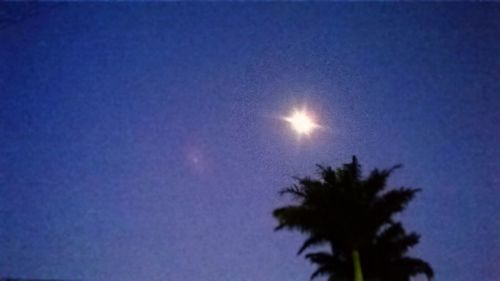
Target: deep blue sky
(141, 141)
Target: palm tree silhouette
(355, 218)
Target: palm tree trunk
(358, 274)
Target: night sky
(144, 141)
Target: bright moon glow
(301, 122)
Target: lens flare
(301, 122)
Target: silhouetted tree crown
(353, 214)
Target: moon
(301, 122)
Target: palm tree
(355, 218)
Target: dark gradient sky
(141, 141)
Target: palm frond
(322, 270)
(313, 240)
(354, 169)
(392, 203)
(395, 242)
(377, 180)
(294, 217)
(414, 266)
(328, 175)
(332, 265)
(294, 190)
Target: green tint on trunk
(358, 274)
